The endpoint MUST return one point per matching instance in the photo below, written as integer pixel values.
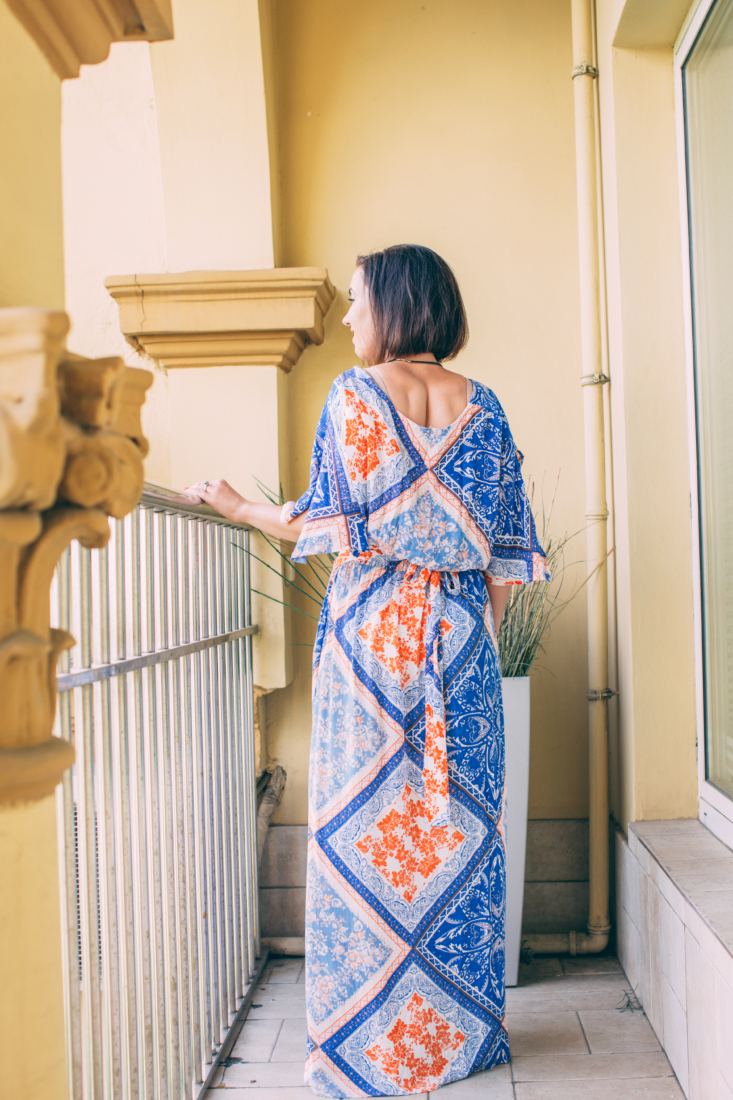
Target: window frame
(715, 808)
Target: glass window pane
(708, 86)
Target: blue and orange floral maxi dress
(406, 861)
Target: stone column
(228, 340)
(71, 452)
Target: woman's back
(445, 497)
(426, 393)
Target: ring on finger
(206, 486)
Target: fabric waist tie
(434, 584)
(427, 614)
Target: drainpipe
(596, 513)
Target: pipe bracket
(594, 379)
(600, 696)
(584, 70)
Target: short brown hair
(415, 302)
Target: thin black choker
(425, 362)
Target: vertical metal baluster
(68, 854)
(179, 802)
(217, 759)
(209, 823)
(87, 838)
(234, 802)
(151, 717)
(186, 863)
(104, 819)
(201, 848)
(219, 800)
(213, 763)
(238, 712)
(165, 802)
(233, 746)
(194, 883)
(249, 776)
(144, 968)
(224, 779)
(242, 713)
(121, 760)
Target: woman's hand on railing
(219, 495)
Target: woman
(415, 482)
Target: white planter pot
(516, 740)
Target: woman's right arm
(228, 502)
(499, 597)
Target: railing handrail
(162, 498)
(65, 681)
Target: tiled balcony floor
(568, 1034)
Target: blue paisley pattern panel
(406, 880)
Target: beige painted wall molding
(649, 24)
(224, 318)
(71, 454)
(81, 33)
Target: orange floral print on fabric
(397, 638)
(367, 439)
(435, 764)
(405, 847)
(418, 1048)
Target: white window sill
(699, 865)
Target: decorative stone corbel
(71, 451)
(224, 318)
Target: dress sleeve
(516, 554)
(335, 523)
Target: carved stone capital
(32, 450)
(71, 451)
(224, 318)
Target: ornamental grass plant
(530, 612)
(532, 608)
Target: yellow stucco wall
(32, 1054)
(649, 404)
(665, 779)
(448, 124)
(31, 258)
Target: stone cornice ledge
(81, 33)
(224, 318)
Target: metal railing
(158, 816)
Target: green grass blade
(278, 573)
(284, 604)
(287, 560)
(268, 492)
